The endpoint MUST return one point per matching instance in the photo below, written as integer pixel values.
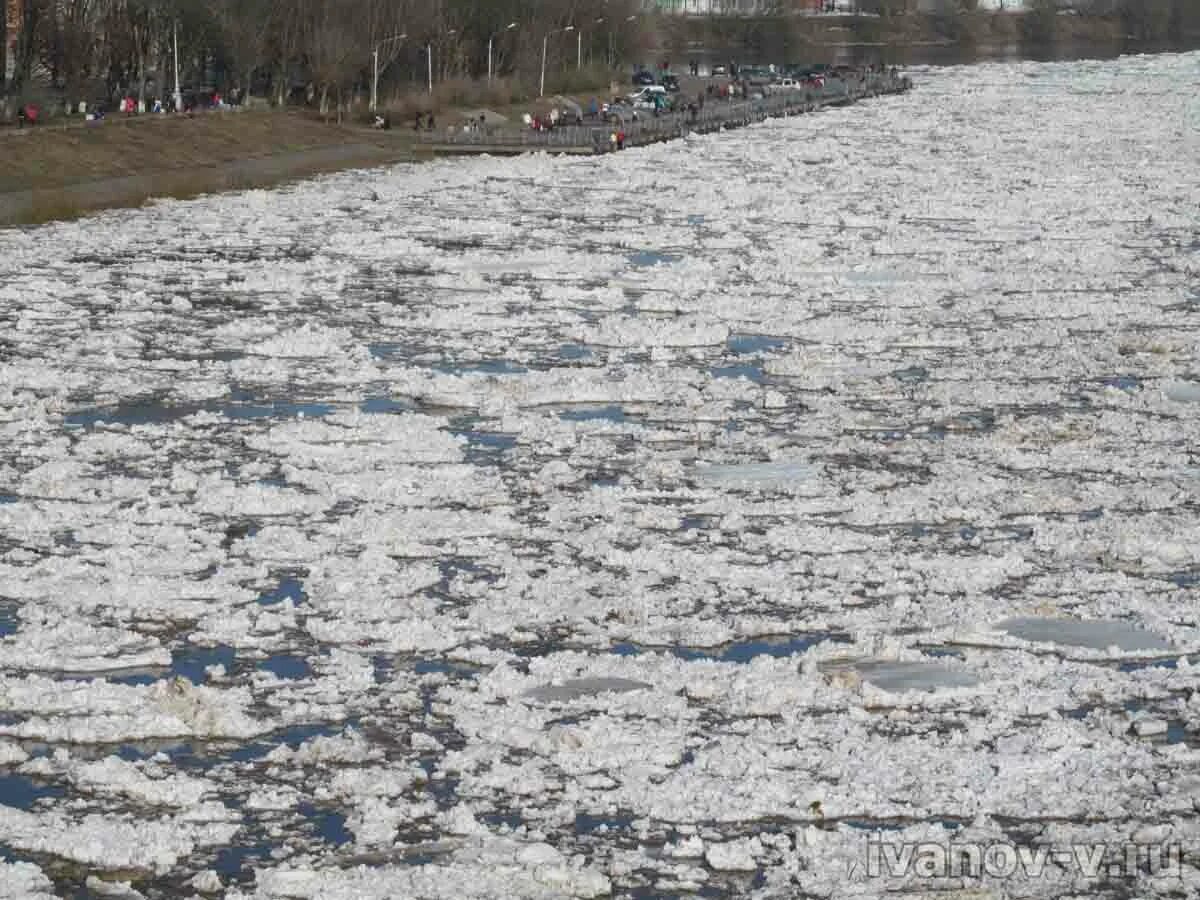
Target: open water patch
(1188, 579)
(745, 344)
(482, 367)
(911, 375)
(592, 823)
(484, 448)
(23, 793)
(390, 351)
(276, 409)
(574, 351)
(160, 412)
(738, 651)
(10, 619)
(646, 259)
(385, 406)
(132, 413)
(191, 661)
(291, 737)
(235, 863)
(753, 373)
(329, 824)
(288, 667)
(1127, 383)
(290, 587)
(604, 413)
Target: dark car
(643, 78)
(671, 83)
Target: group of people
(422, 121)
(553, 119)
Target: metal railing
(648, 127)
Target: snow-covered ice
(674, 521)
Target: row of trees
(1147, 20)
(324, 49)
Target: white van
(645, 98)
(649, 92)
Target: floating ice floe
(793, 476)
(24, 881)
(897, 676)
(1094, 634)
(1182, 391)
(576, 688)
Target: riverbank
(58, 172)
(62, 172)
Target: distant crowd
(188, 103)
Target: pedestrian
(620, 138)
(417, 121)
(21, 118)
(429, 124)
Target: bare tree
(3, 48)
(26, 49)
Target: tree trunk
(3, 45)
(26, 47)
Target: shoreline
(346, 149)
(39, 206)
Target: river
(738, 516)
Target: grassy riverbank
(66, 168)
(55, 156)
(63, 171)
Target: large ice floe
(717, 518)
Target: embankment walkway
(715, 115)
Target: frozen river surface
(680, 522)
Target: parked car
(784, 85)
(643, 78)
(756, 75)
(720, 71)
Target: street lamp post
(508, 27)
(612, 53)
(429, 52)
(178, 92)
(375, 68)
(545, 39)
(579, 61)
